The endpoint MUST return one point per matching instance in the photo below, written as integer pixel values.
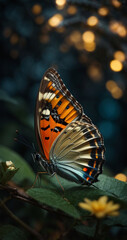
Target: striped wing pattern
(55, 109)
(79, 151)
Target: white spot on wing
(48, 95)
(46, 112)
(40, 96)
(47, 79)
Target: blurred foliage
(86, 42)
(11, 232)
(25, 171)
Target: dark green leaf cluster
(50, 196)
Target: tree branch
(19, 193)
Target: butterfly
(70, 145)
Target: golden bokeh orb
(122, 177)
(119, 55)
(114, 89)
(55, 20)
(71, 10)
(92, 21)
(116, 65)
(88, 37)
(89, 47)
(60, 4)
(116, 3)
(103, 11)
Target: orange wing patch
(55, 109)
(56, 115)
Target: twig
(19, 193)
(20, 222)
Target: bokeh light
(75, 37)
(71, 10)
(120, 56)
(121, 177)
(79, 45)
(114, 89)
(37, 9)
(113, 25)
(60, 3)
(88, 37)
(55, 20)
(118, 28)
(117, 93)
(90, 47)
(122, 32)
(92, 21)
(103, 11)
(116, 3)
(116, 65)
(94, 72)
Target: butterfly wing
(55, 109)
(79, 152)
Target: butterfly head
(36, 157)
(47, 167)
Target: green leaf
(113, 186)
(25, 171)
(54, 200)
(9, 232)
(89, 231)
(55, 183)
(76, 193)
(120, 220)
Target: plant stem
(20, 222)
(97, 229)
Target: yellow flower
(101, 207)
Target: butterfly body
(70, 144)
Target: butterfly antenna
(95, 186)
(33, 146)
(21, 139)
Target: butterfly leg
(58, 181)
(38, 173)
